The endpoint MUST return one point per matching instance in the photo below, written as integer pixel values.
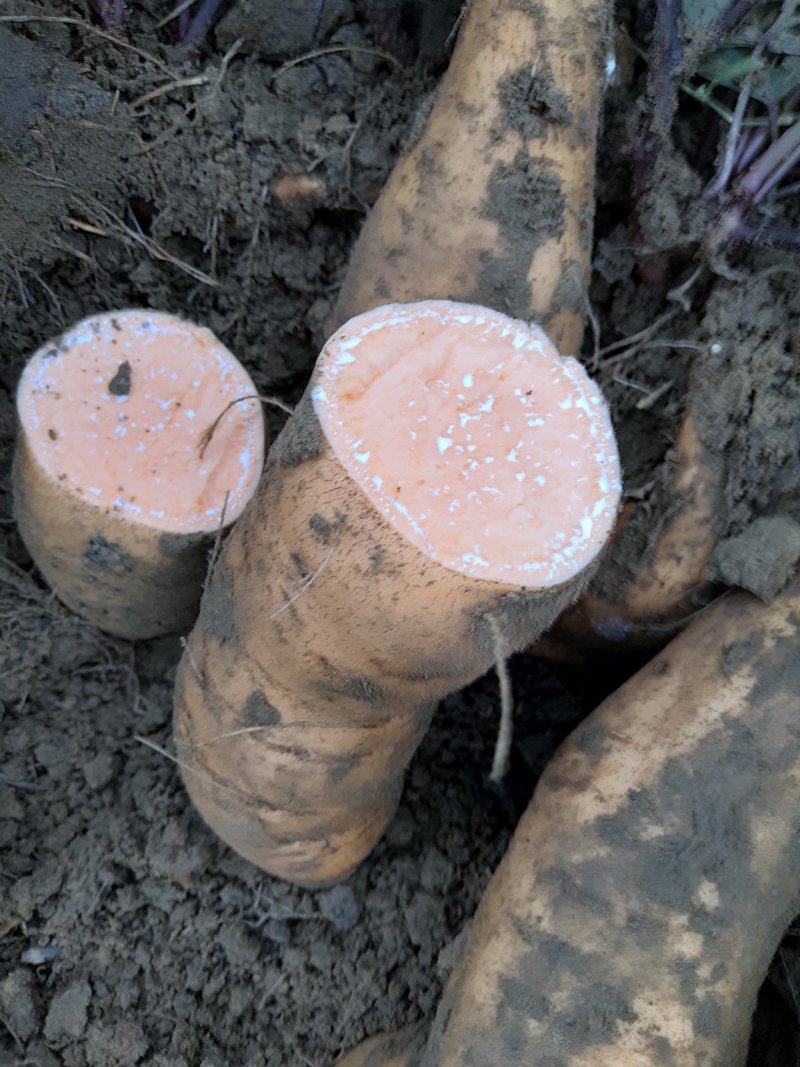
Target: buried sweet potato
(655, 574)
(722, 508)
(494, 203)
(119, 489)
(635, 914)
(440, 494)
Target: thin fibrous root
(505, 732)
(208, 436)
(306, 584)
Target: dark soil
(128, 935)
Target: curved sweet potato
(633, 919)
(446, 478)
(636, 606)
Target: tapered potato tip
(122, 475)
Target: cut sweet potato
(441, 492)
(117, 490)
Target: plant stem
(768, 236)
(772, 165)
(732, 141)
(202, 20)
(749, 148)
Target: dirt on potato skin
(153, 944)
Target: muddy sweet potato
(634, 917)
(441, 492)
(494, 202)
(117, 495)
(654, 576)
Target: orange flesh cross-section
(116, 411)
(472, 435)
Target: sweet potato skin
(387, 1050)
(494, 203)
(632, 607)
(125, 578)
(633, 919)
(324, 643)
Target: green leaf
(697, 14)
(777, 81)
(727, 66)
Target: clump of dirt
(53, 120)
(748, 393)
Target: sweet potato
(441, 491)
(117, 494)
(633, 607)
(494, 202)
(633, 919)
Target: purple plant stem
(768, 236)
(202, 20)
(319, 9)
(183, 25)
(667, 52)
(728, 20)
(752, 143)
(731, 142)
(753, 188)
(749, 148)
(787, 190)
(772, 165)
